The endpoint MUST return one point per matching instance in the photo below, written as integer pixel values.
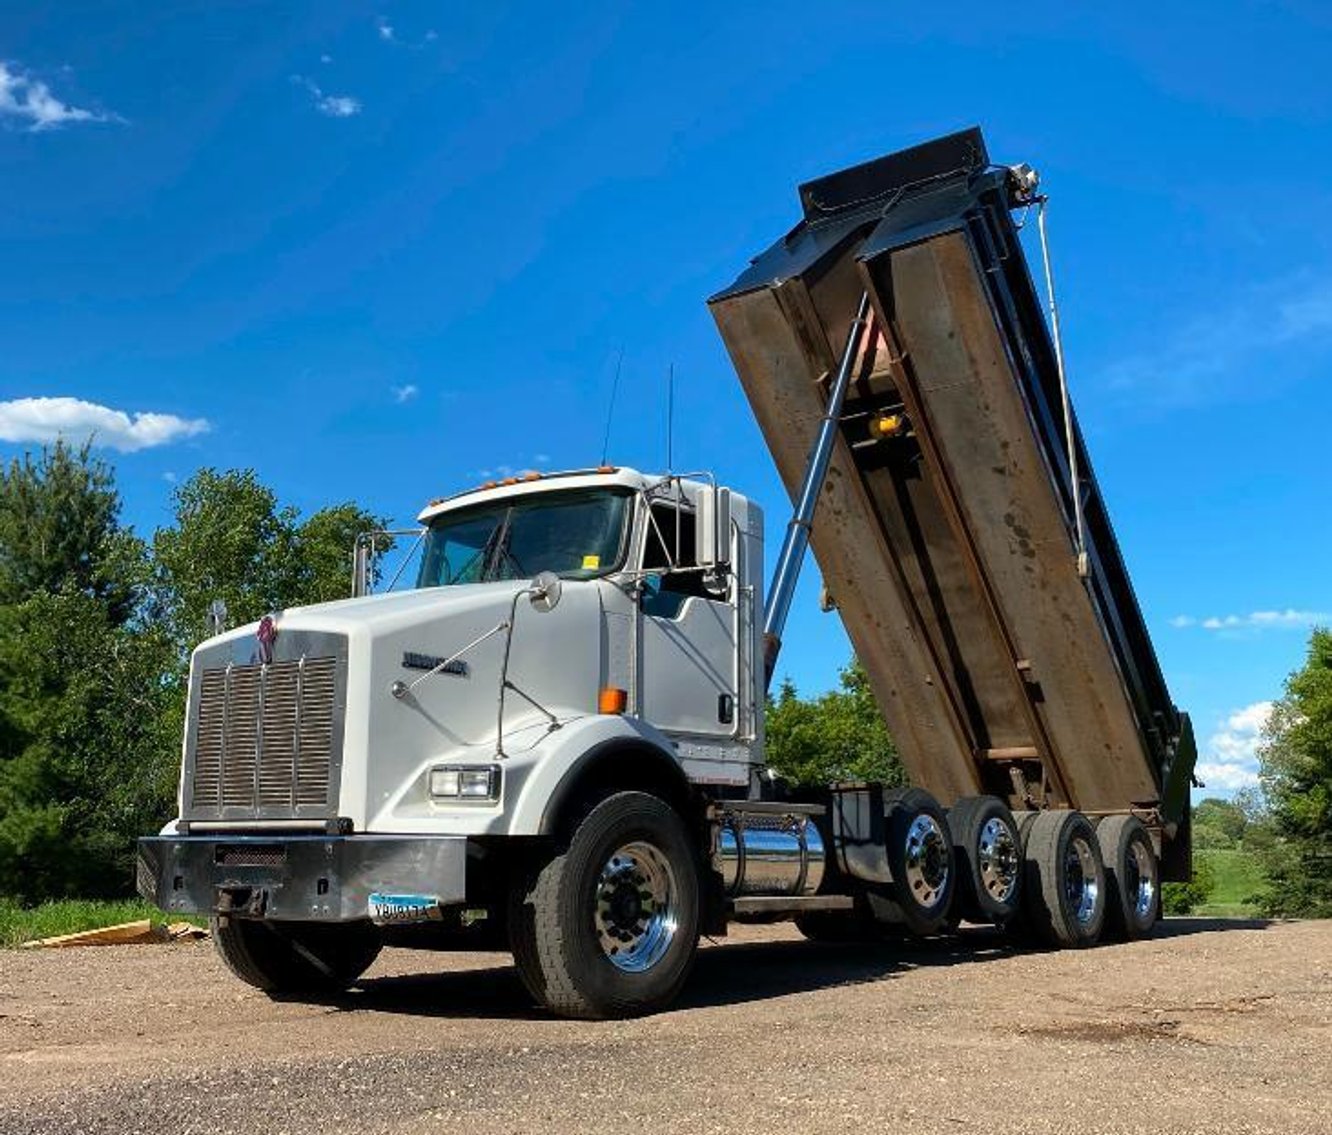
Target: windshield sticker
(591, 563)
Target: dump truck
(554, 742)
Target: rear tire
(920, 857)
(284, 958)
(1133, 877)
(608, 927)
(987, 852)
(1064, 879)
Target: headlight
(456, 782)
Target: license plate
(388, 910)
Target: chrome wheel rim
(926, 860)
(1081, 885)
(1141, 881)
(997, 858)
(637, 907)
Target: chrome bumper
(317, 878)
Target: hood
(381, 613)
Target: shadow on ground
(727, 973)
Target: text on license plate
(389, 909)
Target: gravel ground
(1209, 1027)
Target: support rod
(796, 543)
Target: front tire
(608, 927)
(292, 958)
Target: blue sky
(372, 251)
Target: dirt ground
(1209, 1027)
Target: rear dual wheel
(987, 852)
(920, 857)
(1133, 877)
(1064, 878)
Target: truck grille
(264, 740)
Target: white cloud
(1222, 777)
(403, 394)
(389, 34)
(326, 58)
(1229, 759)
(333, 106)
(1206, 357)
(338, 106)
(30, 101)
(46, 419)
(1288, 619)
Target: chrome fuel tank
(763, 853)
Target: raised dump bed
(1008, 654)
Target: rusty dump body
(945, 530)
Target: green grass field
(69, 916)
(1238, 877)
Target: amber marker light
(612, 699)
(887, 425)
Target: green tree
(326, 540)
(1218, 824)
(1296, 776)
(59, 528)
(87, 743)
(837, 736)
(81, 687)
(1185, 898)
(233, 541)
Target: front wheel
(608, 927)
(293, 958)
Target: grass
(69, 916)
(1238, 877)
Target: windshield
(576, 534)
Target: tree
(81, 689)
(59, 528)
(1296, 763)
(232, 541)
(87, 745)
(838, 736)
(1218, 824)
(1185, 898)
(326, 540)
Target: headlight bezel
(464, 784)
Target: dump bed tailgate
(946, 529)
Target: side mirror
(649, 587)
(714, 528)
(545, 592)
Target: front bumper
(313, 878)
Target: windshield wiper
(496, 549)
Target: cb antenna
(610, 410)
(670, 419)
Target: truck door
(687, 672)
